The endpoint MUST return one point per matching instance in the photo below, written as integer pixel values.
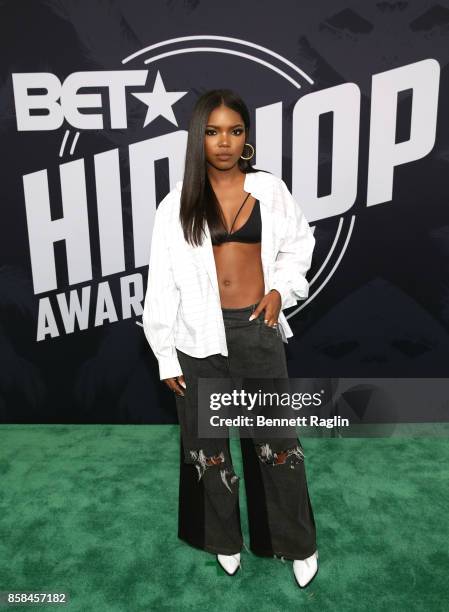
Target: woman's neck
(225, 178)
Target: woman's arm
(161, 300)
(295, 254)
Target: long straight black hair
(199, 204)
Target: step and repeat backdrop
(349, 106)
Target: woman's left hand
(271, 304)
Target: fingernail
(251, 317)
(265, 320)
(183, 384)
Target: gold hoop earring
(252, 154)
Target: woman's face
(224, 138)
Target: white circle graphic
(345, 227)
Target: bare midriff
(239, 273)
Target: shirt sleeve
(161, 301)
(295, 254)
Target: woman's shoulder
(268, 185)
(271, 188)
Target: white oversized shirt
(182, 307)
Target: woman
(213, 309)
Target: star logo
(160, 101)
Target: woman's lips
(224, 155)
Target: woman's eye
(238, 131)
(208, 132)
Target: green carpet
(92, 510)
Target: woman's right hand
(175, 384)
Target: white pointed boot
(305, 570)
(230, 563)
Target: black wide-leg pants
(280, 515)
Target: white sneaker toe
(305, 570)
(230, 563)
